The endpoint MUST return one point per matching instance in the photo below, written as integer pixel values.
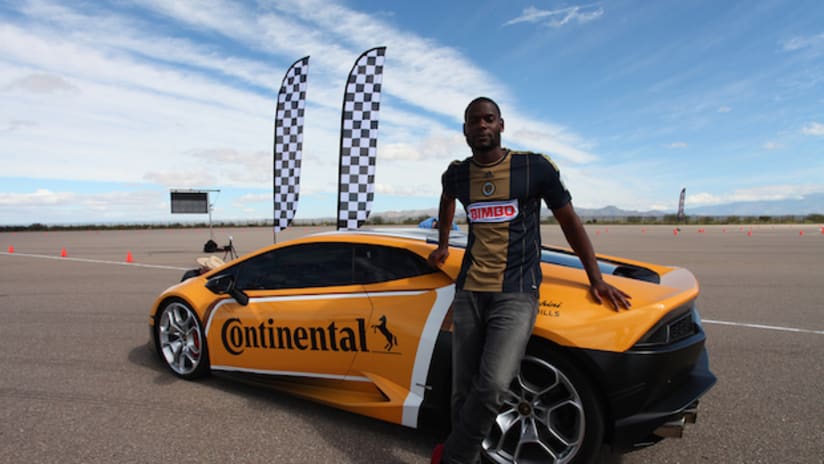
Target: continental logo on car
(238, 337)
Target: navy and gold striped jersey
(503, 204)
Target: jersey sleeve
(553, 191)
(448, 179)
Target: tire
(181, 342)
(551, 414)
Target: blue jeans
(491, 331)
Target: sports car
(358, 320)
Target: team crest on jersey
(493, 211)
(488, 189)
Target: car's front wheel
(180, 341)
(550, 415)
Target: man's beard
(489, 144)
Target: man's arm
(446, 213)
(578, 239)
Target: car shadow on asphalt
(381, 438)
(144, 356)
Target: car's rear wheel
(550, 415)
(180, 339)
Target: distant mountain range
(806, 205)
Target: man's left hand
(603, 291)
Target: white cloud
(16, 124)
(703, 199)
(36, 198)
(90, 93)
(763, 193)
(813, 128)
(255, 198)
(407, 190)
(772, 146)
(559, 17)
(39, 83)
(192, 178)
(48, 206)
(140, 120)
(797, 43)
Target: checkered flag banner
(289, 142)
(359, 139)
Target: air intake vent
(678, 326)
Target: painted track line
(761, 326)
(95, 261)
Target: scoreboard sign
(190, 202)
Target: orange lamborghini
(358, 320)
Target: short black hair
(482, 99)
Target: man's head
(483, 124)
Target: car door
(409, 300)
(305, 316)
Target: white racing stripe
(348, 378)
(97, 261)
(762, 326)
(423, 357)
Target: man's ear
(464, 129)
(502, 124)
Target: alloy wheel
(180, 338)
(542, 419)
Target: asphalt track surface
(79, 384)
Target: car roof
(550, 255)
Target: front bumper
(652, 393)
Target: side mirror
(225, 285)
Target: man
(496, 299)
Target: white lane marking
(761, 326)
(96, 261)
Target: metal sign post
(193, 201)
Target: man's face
(483, 126)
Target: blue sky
(106, 106)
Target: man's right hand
(438, 257)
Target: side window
(381, 264)
(299, 266)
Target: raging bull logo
(237, 337)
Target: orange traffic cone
(63, 253)
(129, 258)
(11, 249)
